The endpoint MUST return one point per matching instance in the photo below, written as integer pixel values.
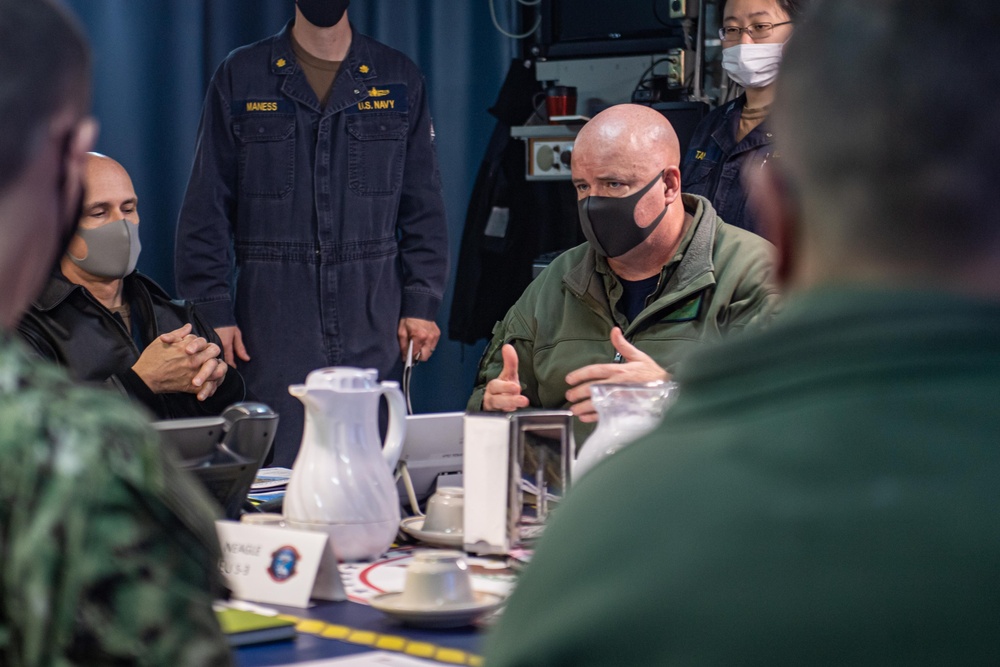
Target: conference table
(335, 629)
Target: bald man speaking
(658, 274)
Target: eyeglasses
(731, 33)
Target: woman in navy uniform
(735, 137)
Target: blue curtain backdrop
(153, 60)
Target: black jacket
(69, 326)
(494, 268)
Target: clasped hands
(503, 394)
(179, 361)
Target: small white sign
(270, 564)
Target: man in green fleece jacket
(825, 491)
(658, 275)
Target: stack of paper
(270, 484)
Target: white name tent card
(277, 565)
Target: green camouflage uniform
(108, 553)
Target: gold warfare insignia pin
(363, 69)
(280, 62)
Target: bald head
(636, 133)
(108, 193)
(99, 162)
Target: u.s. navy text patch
(387, 97)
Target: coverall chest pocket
(698, 172)
(377, 151)
(267, 155)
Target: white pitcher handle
(392, 448)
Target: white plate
(414, 526)
(445, 616)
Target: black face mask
(323, 13)
(609, 222)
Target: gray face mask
(609, 222)
(112, 249)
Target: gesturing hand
(503, 394)
(637, 367)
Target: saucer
(444, 616)
(414, 526)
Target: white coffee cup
(445, 510)
(437, 578)
(264, 519)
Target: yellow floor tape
(375, 640)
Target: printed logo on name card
(283, 562)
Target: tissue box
(516, 468)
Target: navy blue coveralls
(332, 217)
(715, 162)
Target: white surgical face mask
(752, 65)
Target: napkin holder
(516, 468)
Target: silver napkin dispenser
(516, 469)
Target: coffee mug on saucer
(264, 519)
(445, 511)
(437, 578)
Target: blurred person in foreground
(109, 324)
(659, 275)
(109, 554)
(824, 492)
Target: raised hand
(503, 394)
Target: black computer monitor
(591, 28)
